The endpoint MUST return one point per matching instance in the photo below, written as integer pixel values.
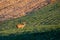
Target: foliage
(43, 20)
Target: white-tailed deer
(22, 25)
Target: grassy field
(43, 24)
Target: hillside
(10, 9)
(42, 24)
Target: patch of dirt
(17, 8)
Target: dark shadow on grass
(51, 35)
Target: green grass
(43, 20)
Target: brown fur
(21, 25)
